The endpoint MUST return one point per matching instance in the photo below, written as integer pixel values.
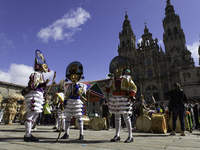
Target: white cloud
(160, 42)
(5, 45)
(194, 50)
(139, 40)
(64, 27)
(19, 74)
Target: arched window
(154, 53)
(148, 61)
(149, 73)
(165, 88)
(148, 88)
(123, 44)
(137, 76)
(151, 90)
(188, 75)
(169, 32)
(128, 42)
(154, 88)
(164, 73)
(175, 30)
(184, 75)
(142, 55)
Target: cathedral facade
(155, 71)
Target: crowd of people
(178, 105)
(119, 110)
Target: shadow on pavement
(155, 135)
(12, 130)
(53, 141)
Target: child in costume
(121, 91)
(74, 97)
(60, 117)
(34, 98)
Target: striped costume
(74, 104)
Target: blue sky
(83, 30)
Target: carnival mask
(118, 72)
(45, 68)
(74, 78)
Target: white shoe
(34, 129)
(173, 133)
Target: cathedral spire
(168, 2)
(169, 10)
(173, 33)
(126, 47)
(146, 30)
(126, 23)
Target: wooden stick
(51, 84)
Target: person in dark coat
(196, 113)
(105, 113)
(177, 101)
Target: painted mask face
(118, 72)
(74, 78)
(45, 68)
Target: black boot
(81, 137)
(129, 140)
(116, 138)
(56, 130)
(65, 136)
(30, 139)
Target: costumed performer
(74, 97)
(60, 117)
(34, 98)
(121, 92)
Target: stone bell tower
(173, 37)
(126, 48)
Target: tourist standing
(177, 102)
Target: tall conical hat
(118, 62)
(40, 60)
(74, 68)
